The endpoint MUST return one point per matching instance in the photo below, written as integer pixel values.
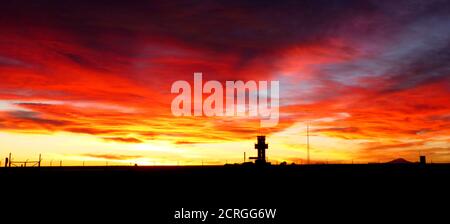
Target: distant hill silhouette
(399, 161)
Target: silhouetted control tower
(261, 146)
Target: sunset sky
(90, 80)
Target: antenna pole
(307, 141)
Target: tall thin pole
(39, 163)
(307, 141)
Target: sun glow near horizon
(288, 145)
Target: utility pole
(39, 162)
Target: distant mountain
(399, 161)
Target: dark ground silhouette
(318, 193)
